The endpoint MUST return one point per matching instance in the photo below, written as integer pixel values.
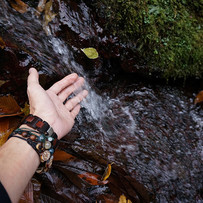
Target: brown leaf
(92, 179)
(7, 125)
(2, 43)
(199, 97)
(9, 107)
(107, 198)
(4, 125)
(27, 196)
(4, 130)
(107, 172)
(19, 6)
(60, 155)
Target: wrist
(41, 137)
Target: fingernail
(30, 70)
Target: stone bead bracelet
(44, 145)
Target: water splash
(55, 56)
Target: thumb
(33, 77)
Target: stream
(152, 132)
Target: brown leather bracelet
(39, 125)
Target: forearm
(19, 162)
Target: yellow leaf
(107, 172)
(90, 52)
(122, 199)
(2, 81)
(49, 16)
(26, 109)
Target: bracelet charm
(43, 140)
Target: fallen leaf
(49, 16)
(4, 130)
(123, 199)
(19, 6)
(7, 125)
(2, 43)
(90, 52)
(40, 7)
(27, 196)
(60, 155)
(2, 81)
(4, 136)
(92, 179)
(9, 107)
(26, 109)
(199, 97)
(107, 172)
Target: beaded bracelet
(44, 145)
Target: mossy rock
(167, 35)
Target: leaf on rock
(92, 179)
(26, 109)
(90, 52)
(40, 6)
(19, 6)
(107, 172)
(60, 155)
(123, 199)
(4, 130)
(9, 107)
(2, 81)
(49, 16)
(199, 97)
(4, 135)
(2, 43)
(7, 125)
(28, 194)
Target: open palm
(49, 105)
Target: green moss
(167, 34)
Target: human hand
(49, 106)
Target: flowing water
(153, 132)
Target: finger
(62, 84)
(75, 111)
(72, 88)
(33, 77)
(71, 103)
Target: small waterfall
(56, 57)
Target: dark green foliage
(166, 33)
